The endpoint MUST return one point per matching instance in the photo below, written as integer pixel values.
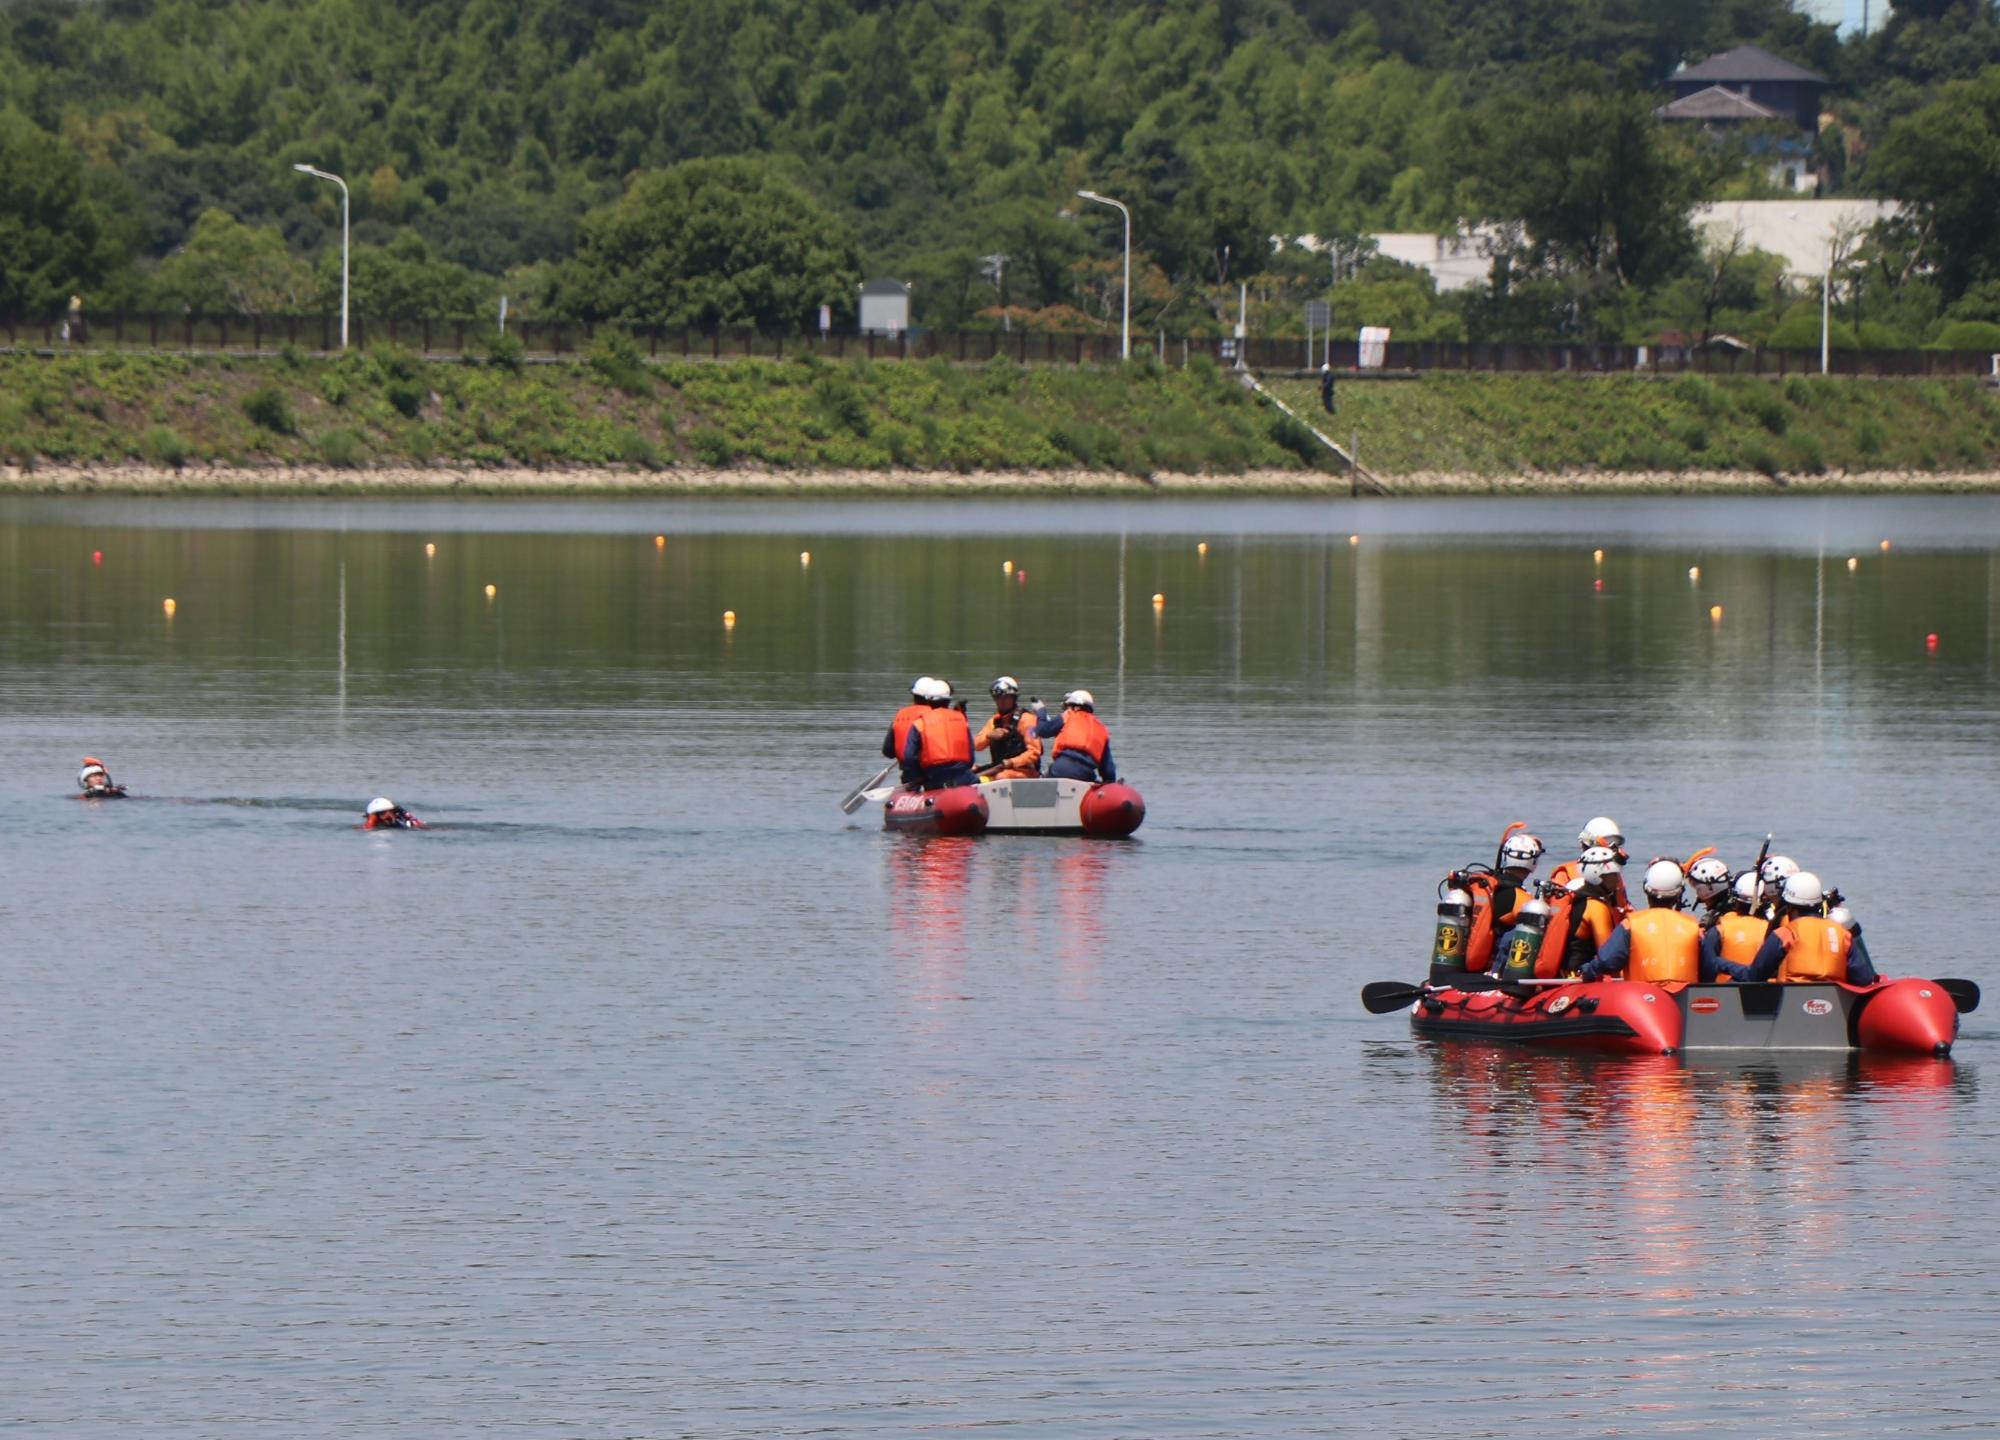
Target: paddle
(1964, 994)
(859, 795)
(1379, 997)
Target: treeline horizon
(728, 162)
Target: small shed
(885, 307)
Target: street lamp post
(1125, 325)
(328, 175)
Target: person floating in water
(385, 814)
(95, 781)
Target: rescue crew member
(1740, 930)
(1083, 746)
(1807, 947)
(1602, 831)
(1497, 896)
(386, 814)
(1710, 879)
(1009, 738)
(899, 728)
(1596, 909)
(1660, 943)
(938, 749)
(95, 781)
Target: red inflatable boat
(961, 810)
(1627, 1017)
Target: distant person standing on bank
(1326, 388)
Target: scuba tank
(1454, 924)
(1522, 946)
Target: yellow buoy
(1159, 601)
(728, 618)
(1853, 563)
(1694, 572)
(169, 606)
(429, 549)
(1597, 557)
(491, 591)
(1715, 612)
(1006, 567)
(1202, 548)
(659, 542)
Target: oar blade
(1379, 997)
(1964, 994)
(859, 795)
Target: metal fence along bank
(543, 340)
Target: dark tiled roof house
(1743, 85)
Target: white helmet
(1602, 831)
(935, 692)
(1664, 880)
(92, 769)
(380, 805)
(1599, 862)
(1520, 852)
(1006, 685)
(1710, 878)
(920, 687)
(1082, 698)
(1746, 887)
(1802, 888)
(1774, 872)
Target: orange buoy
(1694, 572)
(1006, 567)
(1354, 539)
(1202, 549)
(659, 542)
(805, 557)
(1597, 557)
(491, 591)
(728, 619)
(169, 606)
(1853, 563)
(1715, 612)
(1159, 601)
(1885, 544)
(429, 550)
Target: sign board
(1318, 314)
(1374, 346)
(1229, 349)
(825, 318)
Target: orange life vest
(1742, 936)
(1815, 949)
(1666, 945)
(946, 740)
(899, 728)
(1572, 870)
(1085, 732)
(1489, 923)
(1555, 940)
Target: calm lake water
(647, 1095)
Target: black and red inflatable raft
(1627, 1017)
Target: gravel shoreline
(53, 479)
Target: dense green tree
(229, 268)
(711, 242)
(52, 242)
(1944, 162)
(1601, 194)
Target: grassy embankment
(177, 422)
(1492, 427)
(385, 408)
